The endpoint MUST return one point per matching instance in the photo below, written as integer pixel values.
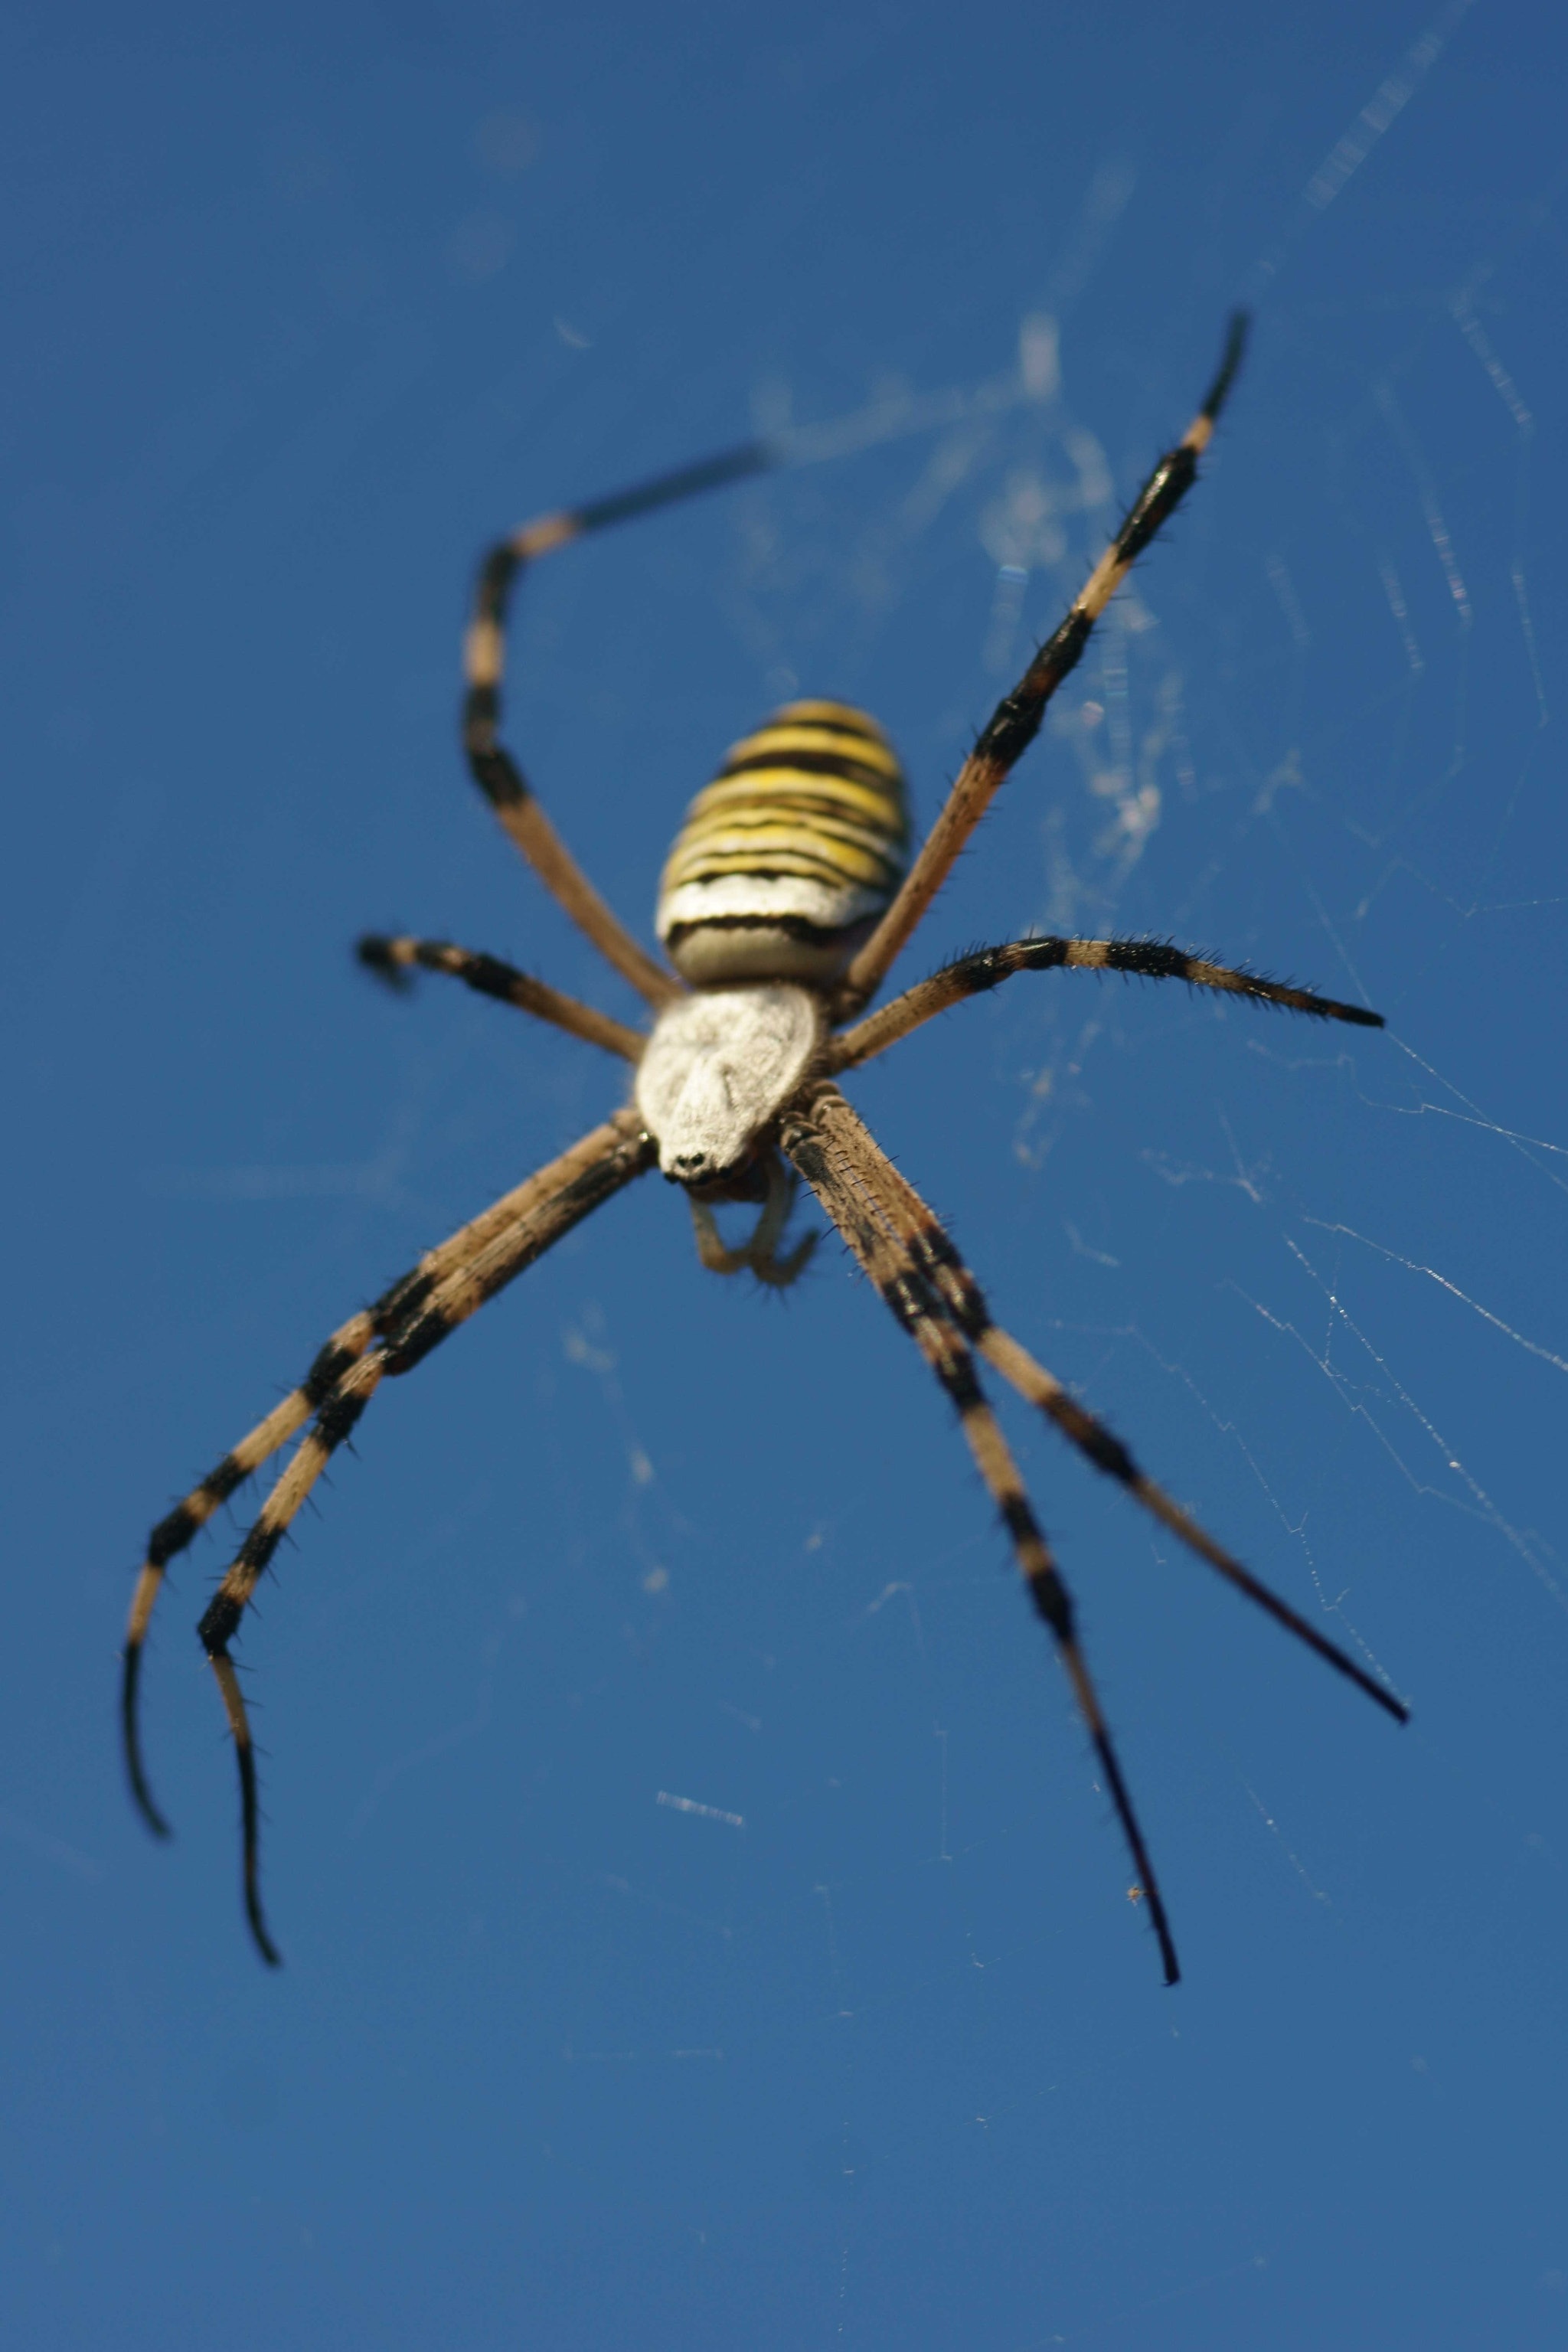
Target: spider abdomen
(789, 857)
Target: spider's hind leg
(760, 1252)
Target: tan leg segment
(493, 767)
(173, 1533)
(933, 1259)
(1015, 722)
(557, 1198)
(392, 958)
(1140, 958)
(947, 1352)
(345, 1347)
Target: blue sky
(869, 2048)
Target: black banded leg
(173, 1533)
(553, 1200)
(391, 959)
(917, 1308)
(972, 975)
(220, 1621)
(495, 771)
(933, 1257)
(1015, 722)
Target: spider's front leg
(492, 766)
(1015, 722)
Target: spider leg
(341, 1351)
(1015, 722)
(760, 1252)
(390, 960)
(557, 1198)
(346, 1346)
(180, 1525)
(972, 975)
(920, 1237)
(492, 766)
(947, 1352)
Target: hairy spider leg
(560, 1195)
(392, 958)
(493, 767)
(1015, 722)
(181, 1526)
(341, 1352)
(930, 1253)
(972, 975)
(948, 1353)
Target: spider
(785, 901)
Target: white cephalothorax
(722, 1063)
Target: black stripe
(1161, 494)
(1015, 722)
(494, 771)
(850, 722)
(257, 1551)
(1019, 1520)
(810, 763)
(710, 846)
(794, 927)
(404, 1297)
(219, 1624)
(375, 953)
(336, 1420)
(497, 570)
(825, 816)
(930, 1247)
(1230, 360)
(173, 1534)
(325, 1372)
(1053, 1602)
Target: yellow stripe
(781, 849)
(831, 742)
(883, 809)
(844, 826)
(792, 809)
(837, 714)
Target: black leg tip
(265, 1947)
(375, 953)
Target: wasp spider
(785, 901)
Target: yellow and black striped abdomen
(789, 857)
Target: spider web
(1303, 1273)
(670, 1794)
